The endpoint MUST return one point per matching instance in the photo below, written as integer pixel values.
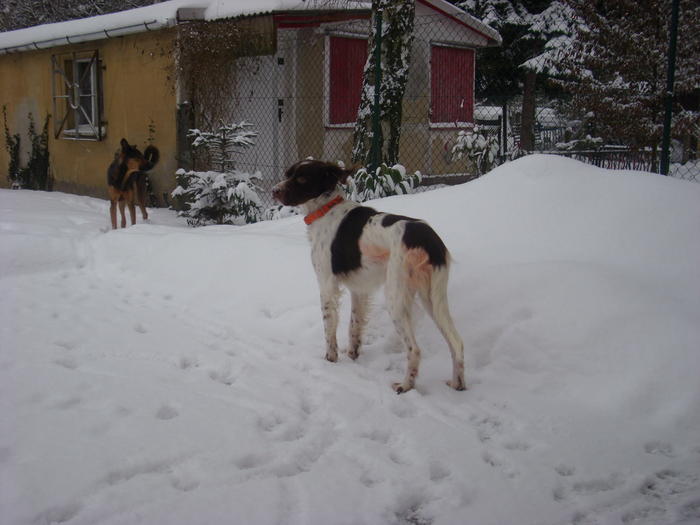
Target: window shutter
(347, 61)
(61, 87)
(451, 85)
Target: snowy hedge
(383, 182)
(480, 147)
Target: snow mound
(162, 374)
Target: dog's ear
(340, 175)
(124, 144)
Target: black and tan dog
(126, 180)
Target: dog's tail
(152, 156)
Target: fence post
(375, 154)
(666, 140)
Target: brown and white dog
(360, 248)
(126, 180)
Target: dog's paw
(459, 385)
(354, 353)
(332, 357)
(401, 388)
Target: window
(346, 64)
(451, 86)
(77, 96)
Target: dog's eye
(301, 180)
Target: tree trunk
(527, 122)
(397, 38)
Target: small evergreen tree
(221, 145)
(533, 32)
(223, 195)
(218, 198)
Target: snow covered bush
(586, 143)
(225, 195)
(279, 211)
(218, 198)
(384, 181)
(479, 147)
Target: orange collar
(315, 215)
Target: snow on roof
(165, 14)
(149, 18)
(465, 18)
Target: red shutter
(347, 61)
(451, 85)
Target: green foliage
(479, 147)
(383, 182)
(12, 143)
(35, 175)
(37, 170)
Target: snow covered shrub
(223, 196)
(385, 181)
(279, 211)
(218, 198)
(587, 143)
(479, 147)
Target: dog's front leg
(329, 309)
(358, 319)
(113, 213)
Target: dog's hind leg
(358, 320)
(434, 300)
(122, 205)
(141, 189)
(399, 298)
(132, 211)
(401, 317)
(329, 308)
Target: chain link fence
(464, 111)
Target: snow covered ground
(168, 375)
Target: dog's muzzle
(278, 192)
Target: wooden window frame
(72, 84)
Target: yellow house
(291, 68)
(96, 88)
